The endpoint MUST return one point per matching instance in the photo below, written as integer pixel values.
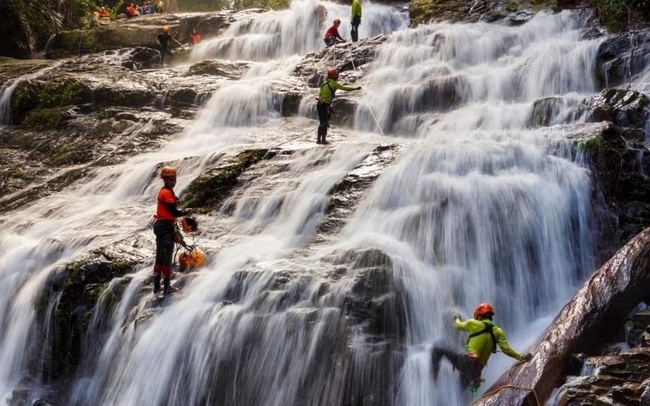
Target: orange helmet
(332, 73)
(483, 310)
(189, 225)
(165, 29)
(167, 172)
(194, 258)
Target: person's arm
(339, 86)
(505, 347)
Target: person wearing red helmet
(484, 337)
(166, 213)
(324, 102)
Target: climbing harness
(488, 329)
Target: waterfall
(479, 206)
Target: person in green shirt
(484, 336)
(356, 20)
(324, 102)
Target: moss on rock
(210, 189)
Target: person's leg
(354, 32)
(165, 251)
(329, 41)
(469, 370)
(323, 117)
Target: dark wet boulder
(588, 322)
(216, 67)
(626, 108)
(138, 58)
(622, 56)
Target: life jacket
(487, 330)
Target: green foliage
(616, 14)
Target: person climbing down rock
(324, 102)
(332, 35)
(164, 228)
(484, 336)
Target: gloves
(528, 357)
(457, 317)
(358, 87)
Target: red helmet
(332, 73)
(167, 172)
(483, 310)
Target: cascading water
(479, 207)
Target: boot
(167, 287)
(156, 284)
(322, 133)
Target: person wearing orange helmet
(163, 40)
(324, 102)
(484, 337)
(166, 213)
(332, 35)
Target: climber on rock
(332, 35)
(484, 336)
(355, 20)
(324, 102)
(163, 40)
(164, 227)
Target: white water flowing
(478, 207)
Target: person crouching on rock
(164, 229)
(332, 35)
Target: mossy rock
(75, 42)
(45, 119)
(79, 286)
(591, 146)
(211, 188)
(31, 95)
(73, 153)
(110, 96)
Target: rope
(510, 387)
(369, 109)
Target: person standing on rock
(332, 35)
(164, 227)
(163, 40)
(356, 20)
(324, 102)
(484, 336)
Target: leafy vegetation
(618, 15)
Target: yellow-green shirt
(482, 344)
(329, 88)
(356, 8)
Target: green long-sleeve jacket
(356, 8)
(482, 345)
(329, 88)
